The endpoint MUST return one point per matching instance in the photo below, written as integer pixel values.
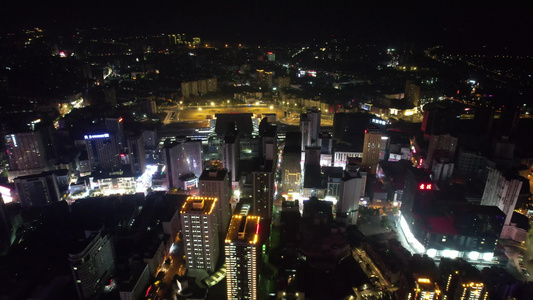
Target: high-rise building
(291, 170)
(115, 127)
(25, 151)
(38, 190)
(93, 265)
(186, 89)
(461, 280)
(231, 154)
(215, 182)
(202, 87)
(263, 189)
(182, 157)
(242, 257)
(371, 149)
(136, 154)
(412, 92)
(212, 84)
(310, 128)
(199, 225)
(442, 170)
(440, 146)
(351, 191)
(502, 191)
(103, 151)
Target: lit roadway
(371, 270)
(206, 112)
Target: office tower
(231, 152)
(269, 141)
(38, 190)
(351, 191)
(103, 151)
(199, 225)
(371, 149)
(263, 189)
(92, 265)
(181, 158)
(440, 146)
(215, 182)
(114, 126)
(242, 257)
(136, 154)
(310, 128)
(25, 151)
(502, 191)
(290, 164)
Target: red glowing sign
(257, 229)
(423, 186)
(120, 119)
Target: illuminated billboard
(96, 136)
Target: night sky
(466, 23)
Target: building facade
(242, 257)
(103, 152)
(503, 192)
(215, 182)
(93, 266)
(199, 225)
(371, 149)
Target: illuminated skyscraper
(263, 189)
(242, 257)
(371, 149)
(424, 289)
(199, 225)
(103, 151)
(215, 182)
(25, 151)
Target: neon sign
(96, 136)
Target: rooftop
(203, 205)
(243, 228)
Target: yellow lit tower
(199, 225)
(371, 149)
(425, 289)
(242, 257)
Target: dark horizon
(465, 25)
